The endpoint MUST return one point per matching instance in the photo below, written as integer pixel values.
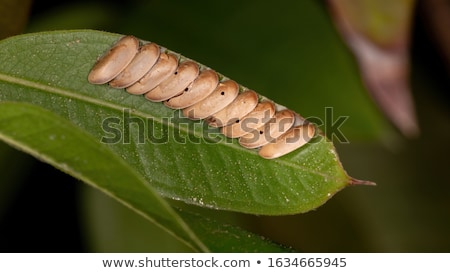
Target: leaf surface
(55, 140)
(179, 158)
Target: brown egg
(143, 61)
(114, 60)
(293, 139)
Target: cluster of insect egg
(151, 71)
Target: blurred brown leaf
(377, 31)
(13, 16)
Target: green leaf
(50, 70)
(63, 145)
(110, 226)
(298, 60)
(227, 238)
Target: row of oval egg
(162, 76)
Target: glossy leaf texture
(55, 140)
(58, 142)
(181, 159)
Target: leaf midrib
(73, 95)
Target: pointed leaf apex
(354, 181)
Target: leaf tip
(354, 181)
